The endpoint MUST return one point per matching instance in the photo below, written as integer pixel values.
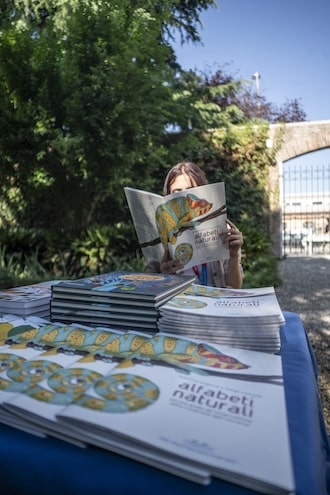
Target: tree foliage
(92, 99)
(252, 104)
(86, 93)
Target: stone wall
(298, 138)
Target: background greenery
(92, 99)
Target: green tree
(86, 93)
(92, 99)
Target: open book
(189, 223)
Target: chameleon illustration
(178, 213)
(118, 393)
(101, 344)
(181, 351)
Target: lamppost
(256, 76)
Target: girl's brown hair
(196, 175)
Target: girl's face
(181, 183)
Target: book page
(189, 223)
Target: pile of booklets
(119, 299)
(245, 318)
(27, 300)
(194, 409)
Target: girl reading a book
(221, 273)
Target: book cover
(126, 285)
(27, 374)
(188, 223)
(255, 304)
(36, 406)
(186, 406)
(201, 417)
(78, 367)
(21, 367)
(26, 296)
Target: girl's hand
(168, 265)
(234, 238)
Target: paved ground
(305, 290)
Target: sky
(286, 41)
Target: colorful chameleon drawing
(178, 213)
(123, 392)
(180, 351)
(103, 344)
(54, 335)
(121, 346)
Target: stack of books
(119, 299)
(245, 318)
(27, 300)
(185, 406)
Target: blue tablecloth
(48, 466)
